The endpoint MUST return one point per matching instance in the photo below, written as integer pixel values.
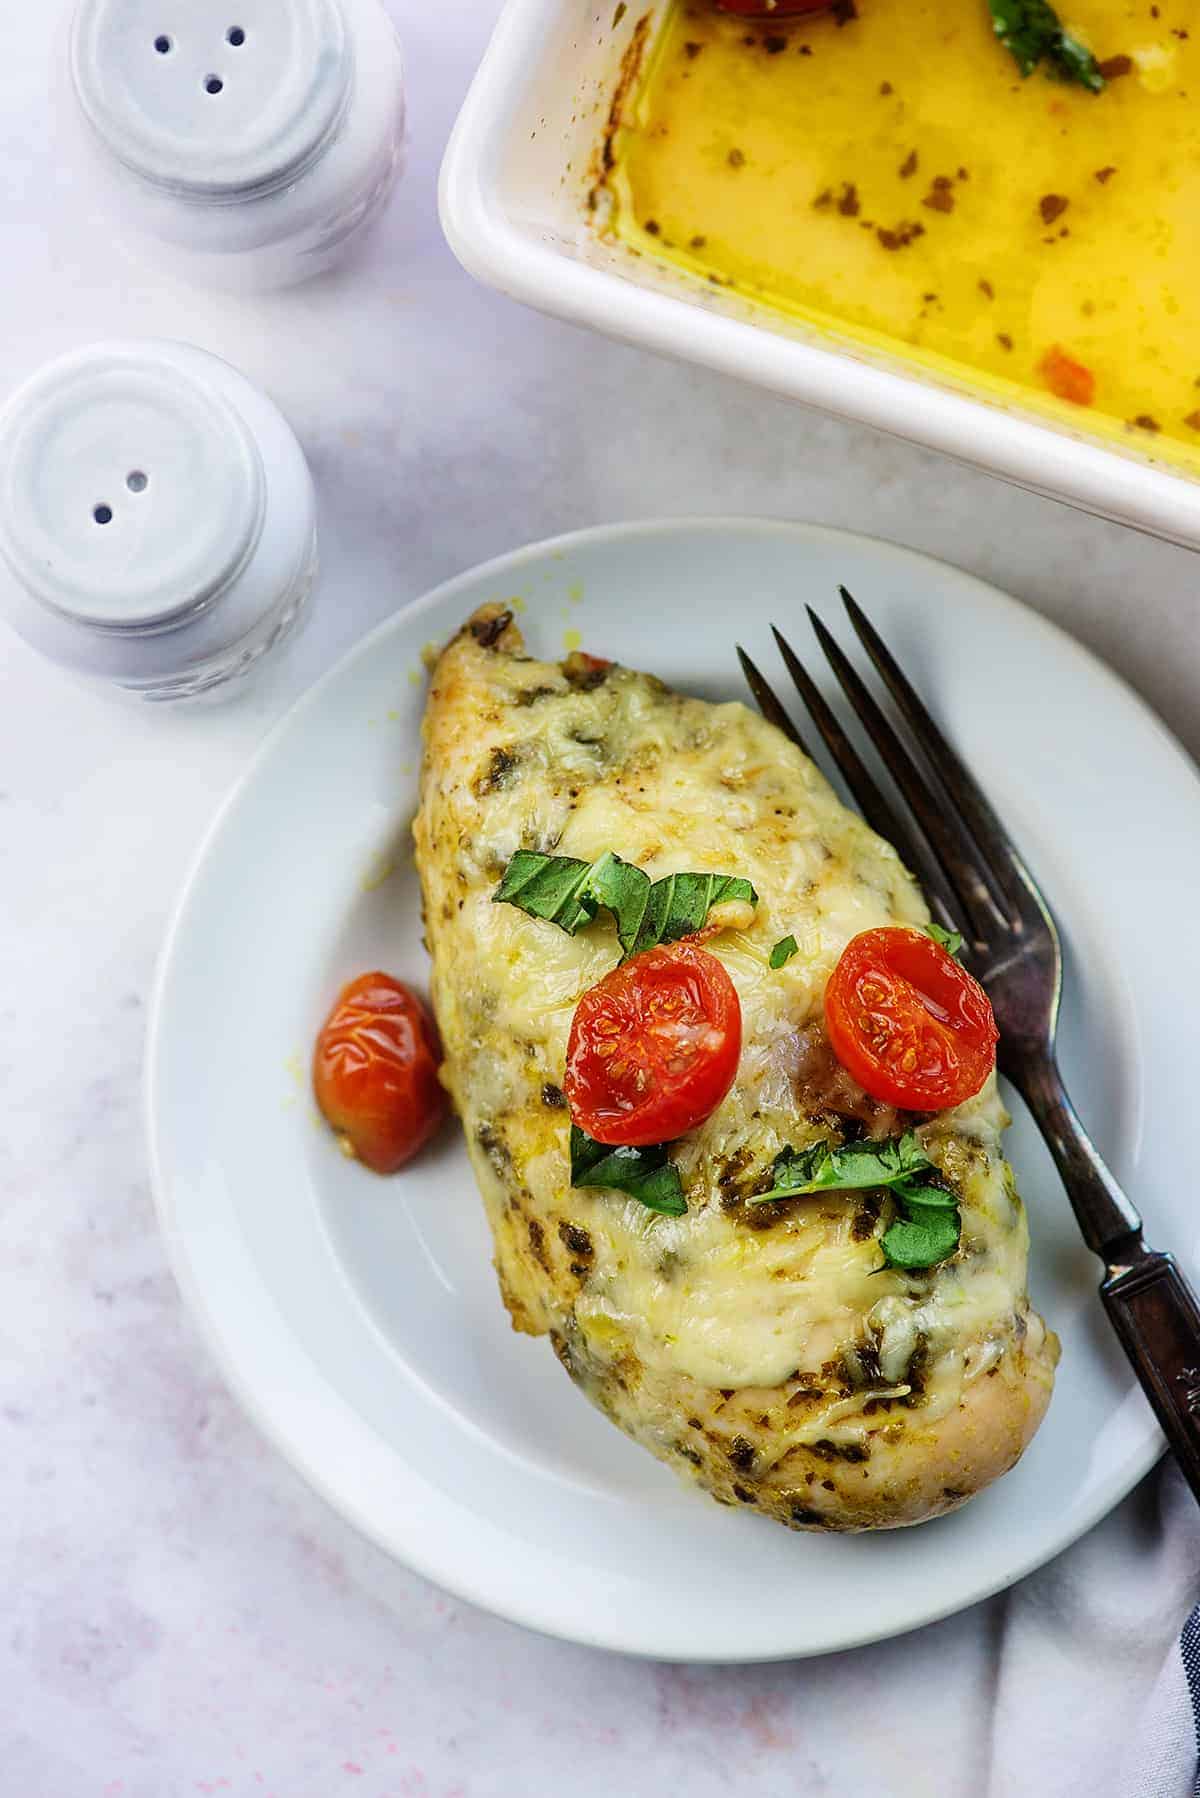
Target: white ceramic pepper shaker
(246, 142)
(157, 518)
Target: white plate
(359, 1319)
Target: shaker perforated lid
(130, 488)
(213, 99)
(157, 517)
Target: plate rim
(439, 1569)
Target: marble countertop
(182, 1615)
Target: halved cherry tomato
(908, 1021)
(771, 9)
(654, 1046)
(375, 1072)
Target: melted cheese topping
(744, 1307)
(518, 758)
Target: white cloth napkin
(1098, 1663)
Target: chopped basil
(1032, 32)
(926, 1234)
(950, 940)
(645, 1174)
(554, 887)
(624, 890)
(929, 1198)
(929, 1224)
(850, 1168)
(679, 904)
(783, 951)
(569, 893)
(1073, 61)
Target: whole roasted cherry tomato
(654, 1046)
(908, 1022)
(771, 9)
(375, 1072)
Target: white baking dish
(514, 200)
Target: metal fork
(977, 883)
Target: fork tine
(875, 808)
(767, 703)
(947, 836)
(961, 787)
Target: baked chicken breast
(767, 1352)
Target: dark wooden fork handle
(1157, 1316)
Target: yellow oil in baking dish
(893, 177)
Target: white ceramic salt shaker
(246, 142)
(157, 518)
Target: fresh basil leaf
(924, 1236)
(795, 1171)
(949, 940)
(624, 891)
(645, 1174)
(569, 893)
(783, 952)
(848, 1168)
(679, 904)
(929, 1225)
(554, 887)
(928, 1228)
(1032, 32)
(931, 1198)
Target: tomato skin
(908, 1022)
(375, 1072)
(654, 1046)
(1066, 378)
(763, 9)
